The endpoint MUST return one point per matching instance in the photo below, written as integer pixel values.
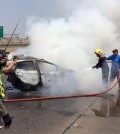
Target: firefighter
(4, 115)
(115, 58)
(102, 63)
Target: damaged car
(31, 73)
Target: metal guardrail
(14, 41)
(9, 35)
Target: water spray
(86, 70)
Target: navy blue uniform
(102, 63)
(115, 65)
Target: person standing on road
(102, 63)
(115, 68)
(4, 115)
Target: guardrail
(14, 42)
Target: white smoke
(71, 41)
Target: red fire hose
(64, 97)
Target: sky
(12, 11)
(66, 32)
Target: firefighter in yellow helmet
(98, 52)
(4, 115)
(104, 108)
(102, 63)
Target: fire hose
(66, 97)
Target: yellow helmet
(98, 51)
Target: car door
(49, 73)
(27, 72)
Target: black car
(31, 73)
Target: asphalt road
(46, 117)
(62, 116)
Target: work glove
(7, 120)
(93, 67)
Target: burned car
(31, 73)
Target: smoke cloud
(70, 41)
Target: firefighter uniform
(3, 112)
(2, 90)
(102, 63)
(7, 120)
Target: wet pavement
(93, 115)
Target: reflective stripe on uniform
(2, 92)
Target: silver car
(31, 73)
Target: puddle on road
(108, 106)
